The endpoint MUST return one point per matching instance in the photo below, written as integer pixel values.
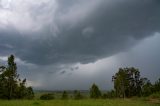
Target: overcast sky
(70, 44)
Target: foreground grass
(112, 102)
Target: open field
(86, 102)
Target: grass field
(86, 102)
(149, 101)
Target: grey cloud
(144, 56)
(74, 68)
(63, 72)
(111, 27)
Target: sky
(71, 44)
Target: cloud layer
(59, 32)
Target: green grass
(85, 102)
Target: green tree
(147, 89)
(3, 81)
(11, 76)
(120, 82)
(95, 92)
(29, 93)
(157, 86)
(11, 86)
(128, 82)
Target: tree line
(127, 83)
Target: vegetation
(77, 95)
(84, 102)
(11, 86)
(64, 95)
(128, 83)
(109, 94)
(156, 87)
(95, 92)
(155, 95)
(48, 96)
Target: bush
(109, 94)
(47, 97)
(29, 93)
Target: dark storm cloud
(104, 29)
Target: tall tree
(128, 82)
(95, 92)
(11, 86)
(11, 75)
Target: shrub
(47, 97)
(109, 94)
